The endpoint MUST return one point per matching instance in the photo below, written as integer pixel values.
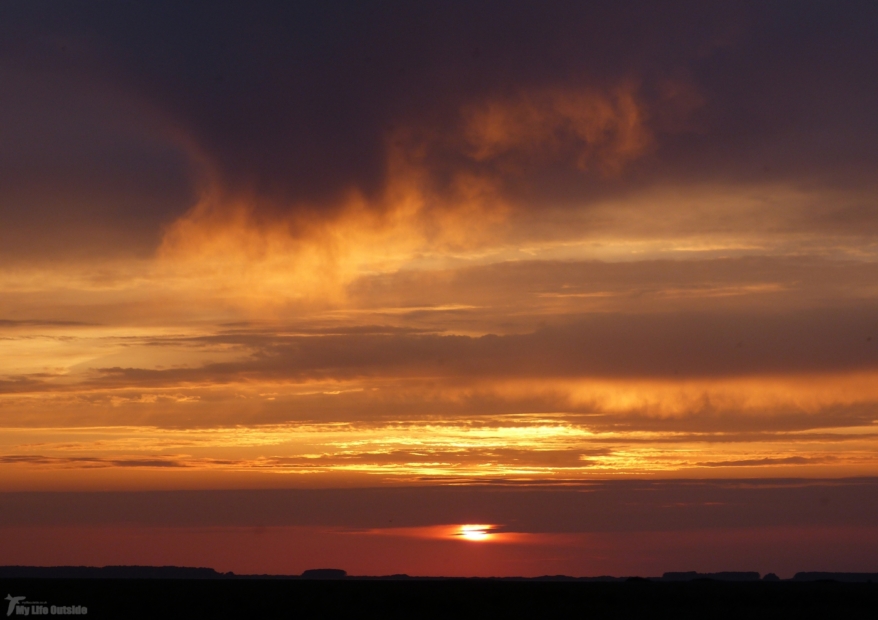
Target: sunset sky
(294, 284)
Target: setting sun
(478, 533)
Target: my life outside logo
(21, 607)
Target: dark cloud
(542, 288)
(295, 103)
(766, 462)
(89, 462)
(23, 384)
(83, 169)
(612, 506)
(668, 345)
(8, 323)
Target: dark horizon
(199, 573)
(192, 572)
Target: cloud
(652, 225)
(88, 462)
(608, 506)
(601, 130)
(87, 172)
(766, 462)
(655, 345)
(293, 110)
(6, 323)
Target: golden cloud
(592, 128)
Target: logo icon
(13, 601)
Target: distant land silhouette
(324, 573)
(723, 576)
(187, 572)
(149, 592)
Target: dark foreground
(451, 598)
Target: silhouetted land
(175, 592)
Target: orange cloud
(308, 253)
(593, 129)
(247, 245)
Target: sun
(477, 533)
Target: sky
(481, 263)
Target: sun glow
(476, 533)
